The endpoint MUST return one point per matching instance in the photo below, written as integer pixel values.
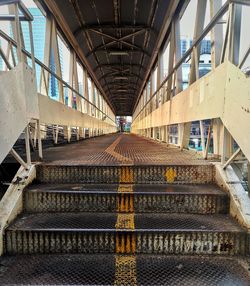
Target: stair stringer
(18, 104)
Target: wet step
(200, 199)
(125, 233)
(140, 174)
(130, 270)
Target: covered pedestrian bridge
(84, 203)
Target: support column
(67, 133)
(226, 145)
(184, 134)
(217, 125)
(81, 132)
(55, 134)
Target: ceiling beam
(125, 51)
(129, 90)
(116, 65)
(110, 26)
(121, 96)
(104, 48)
(119, 73)
(117, 40)
(120, 85)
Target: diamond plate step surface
(101, 270)
(203, 199)
(137, 174)
(140, 233)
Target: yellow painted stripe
(125, 202)
(125, 188)
(111, 150)
(125, 270)
(125, 260)
(125, 221)
(126, 175)
(170, 174)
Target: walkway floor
(120, 149)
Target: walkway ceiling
(117, 38)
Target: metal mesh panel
(190, 271)
(123, 270)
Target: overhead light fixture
(122, 90)
(118, 53)
(121, 77)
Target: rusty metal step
(139, 174)
(135, 233)
(200, 199)
(100, 269)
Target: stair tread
(200, 189)
(107, 222)
(104, 269)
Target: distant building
(39, 29)
(204, 63)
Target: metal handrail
(207, 29)
(42, 65)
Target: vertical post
(224, 145)
(216, 35)
(248, 177)
(159, 77)
(216, 136)
(77, 133)
(32, 48)
(27, 145)
(86, 92)
(151, 92)
(208, 139)
(93, 110)
(40, 148)
(234, 32)
(18, 34)
(67, 133)
(199, 25)
(76, 83)
(47, 51)
(71, 60)
(7, 55)
(13, 56)
(184, 134)
(171, 62)
(178, 55)
(202, 138)
(196, 62)
(55, 47)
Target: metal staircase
(123, 225)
